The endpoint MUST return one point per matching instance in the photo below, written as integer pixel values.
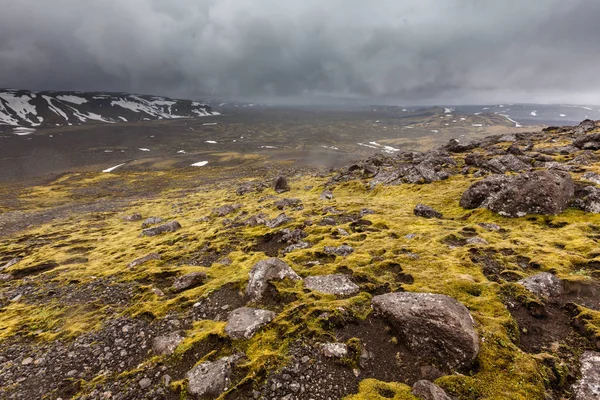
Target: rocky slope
(470, 271)
(27, 109)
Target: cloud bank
(405, 52)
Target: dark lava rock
(429, 391)
(455, 146)
(421, 210)
(265, 271)
(189, 281)
(256, 220)
(433, 325)
(292, 203)
(537, 192)
(244, 322)
(588, 387)
(544, 285)
(157, 230)
(506, 163)
(280, 184)
(249, 187)
(281, 219)
(226, 209)
(143, 260)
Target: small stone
(281, 219)
(335, 350)
(343, 250)
(268, 270)
(211, 379)
(168, 227)
(189, 281)
(10, 263)
(145, 383)
(72, 373)
(421, 210)
(476, 240)
(27, 361)
(326, 195)
(244, 322)
(544, 285)
(166, 345)
(143, 260)
(151, 221)
(337, 284)
(429, 391)
(490, 227)
(133, 217)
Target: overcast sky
(403, 52)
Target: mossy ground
(559, 244)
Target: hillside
(27, 109)
(469, 271)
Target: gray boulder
(588, 199)
(592, 177)
(433, 325)
(421, 210)
(244, 322)
(537, 192)
(429, 391)
(281, 219)
(143, 260)
(166, 345)
(343, 250)
(157, 230)
(544, 285)
(507, 163)
(265, 271)
(588, 387)
(188, 281)
(337, 284)
(211, 379)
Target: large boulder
(427, 390)
(544, 285)
(244, 322)
(265, 271)
(337, 284)
(433, 325)
(588, 387)
(211, 379)
(537, 192)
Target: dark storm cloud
(418, 51)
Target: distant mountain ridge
(30, 109)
